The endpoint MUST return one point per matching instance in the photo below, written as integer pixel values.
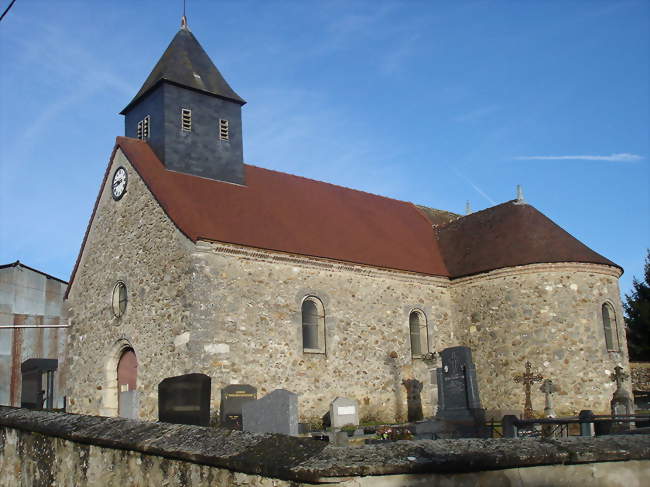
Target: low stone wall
(44, 448)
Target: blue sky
(431, 102)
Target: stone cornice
(537, 268)
(315, 263)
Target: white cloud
(622, 157)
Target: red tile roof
(278, 211)
(507, 235)
(286, 213)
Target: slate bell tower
(189, 114)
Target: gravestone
(233, 397)
(129, 404)
(622, 403)
(548, 388)
(33, 395)
(185, 399)
(459, 404)
(413, 399)
(277, 412)
(344, 412)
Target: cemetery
(186, 400)
(258, 440)
(70, 449)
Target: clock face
(119, 183)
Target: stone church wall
(249, 330)
(133, 241)
(549, 314)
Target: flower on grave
(393, 433)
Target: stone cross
(621, 403)
(528, 379)
(619, 376)
(548, 388)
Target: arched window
(419, 333)
(313, 325)
(611, 328)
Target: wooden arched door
(127, 377)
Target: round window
(119, 299)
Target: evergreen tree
(637, 316)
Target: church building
(194, 261)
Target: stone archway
(119, 392)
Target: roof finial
(520, 195)
(184, 19)
(468, 208)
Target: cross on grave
(619, 376)
(622, 403)
(528, 379)
(548, 388)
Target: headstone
(277, 412)
(413, 399)
(586, 417)
(33, 394)
(622, 403)
(233, 397)
(548, 388)
(459, 404)
(344, 412)
(185, 399)
(129, 405)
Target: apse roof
(185, 63)
(508, 235)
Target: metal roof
(186, 64)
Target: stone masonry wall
(43, 449)
(549, 314)
(131, 240)
(246, 328)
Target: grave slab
(277, 412)
(344, 412)
(233, 397)
(185, 399)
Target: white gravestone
(344, 412)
